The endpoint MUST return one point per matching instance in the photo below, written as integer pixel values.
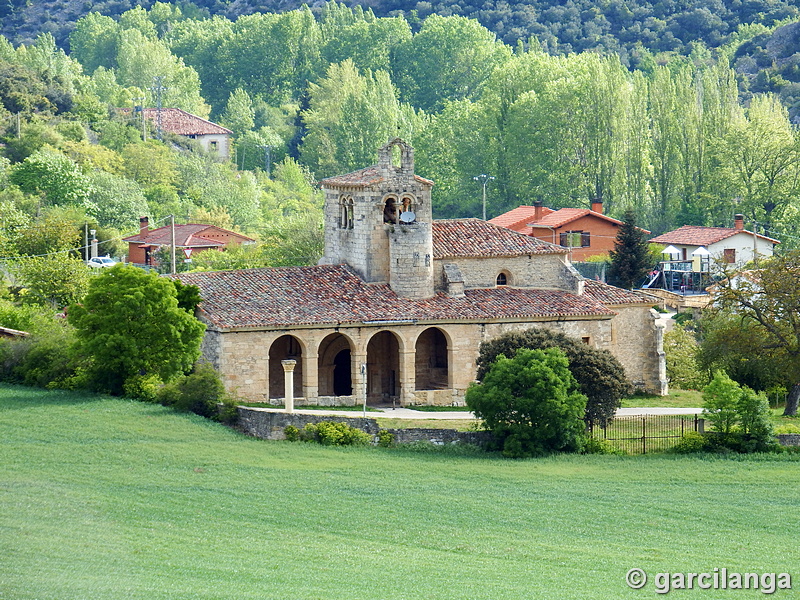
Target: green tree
(720, 401)
(682, 351)
(599, 374)
(239, 115)
(531, 403)
(116, 202)
(57, 178)
(93, 42)
(130, 324)
(630, 258)
(51, 281)
(350, 115)
(768, 304)
(448, 59)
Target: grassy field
(106, 499)
(677, 398)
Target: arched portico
(431, 361)
(383, 369)
(335, 366)
(284, 348)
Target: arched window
(345, 212)
(390, 210)
(502, 279)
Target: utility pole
(172, 242)
(86, 243)
(267, 158)
(483, 179)
(141, 112)
(158, 89)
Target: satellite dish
(408, 217)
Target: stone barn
(397, 307)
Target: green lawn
(677, 399)
(109, 499)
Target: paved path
(407, 413)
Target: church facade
(399, 304)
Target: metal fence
(647, 433)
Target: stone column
(310, 376)
(408, 377)
(359, 377)
(288, 384)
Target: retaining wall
(269, 425)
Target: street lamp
(483, 178)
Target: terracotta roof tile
(477, 238)
(518, 218)
(363, 178)
(694, 235)
(180, 122)
(608, 294)
(186, 236)
(331, 294)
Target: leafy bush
(720, 400)
(599, 374)
(200, 392)
(44, 359)
(595, 445)
(385, 438)
(142, 387)
(787, 428)
(292, 433)
(531, 403)
(330, 433)
(691, 442)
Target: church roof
(462, 238)
(334, 294)
(363, 178)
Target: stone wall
(789, 439)
(538, 271)
(270, 425)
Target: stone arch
(383, 368)
(432, 360)
(283, 348)
(391, 207)
(335, 366)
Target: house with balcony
(691, 252)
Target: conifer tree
(630, 258)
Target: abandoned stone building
(399, 304)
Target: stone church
(397, 307)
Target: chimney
(597, 205)
(144, 226)
(738, 222)
(537, 211)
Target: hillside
(623, 26)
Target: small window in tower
(586, 339)
(390, 211)
(502, 279)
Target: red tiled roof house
(189, 239)
(212, 137)
(585, 232)
(733, 245)
(399, 304)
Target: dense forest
(680, 138)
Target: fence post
(644, 434)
